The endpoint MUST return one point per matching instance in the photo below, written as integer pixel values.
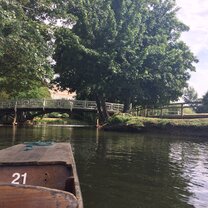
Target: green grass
(58, 121)
(143, 121)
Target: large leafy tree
(126, 51)
(26, 43)
(83, 58)
(168, 60)
(160, 63)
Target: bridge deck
(35, 104)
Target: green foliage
(24, 48)
(127, 51)
(53, 115)
(3, 95)
(119, 119)
(190, 95)
(156, 122)
(26, 43)
(204, 107)
(189, 111)
(113, 50)
(36, 92)
(205, 99)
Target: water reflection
(193, 158)
(135, 167)
(129, 170)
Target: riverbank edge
(185, 127)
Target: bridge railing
(57, 104)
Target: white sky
(194, 13)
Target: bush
(53, 115)
(204, 107)
(119, 119)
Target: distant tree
(127, 51)
(204, 107)
(205, 101)
(190, 95)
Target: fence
(173, 110)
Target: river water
(124, 170)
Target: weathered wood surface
(57, 153)
(57, 104)
(50, 166)
(50, 176)
(24, 196)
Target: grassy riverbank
(125, 122)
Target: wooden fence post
(181, 110)
(161, 112)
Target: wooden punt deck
(36, 168)
(25, 196)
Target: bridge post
(97, 120)
(97, 123)
(44, 104)
(15, 114)
(71, 105)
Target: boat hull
(49, 166)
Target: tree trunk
(127, 105)
(104, 109)
(101, 117)
(101, 106)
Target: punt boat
(39, 175)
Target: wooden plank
(50, 176)
(24, 196)
(51, 154)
